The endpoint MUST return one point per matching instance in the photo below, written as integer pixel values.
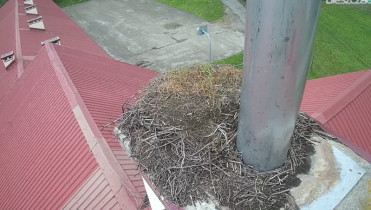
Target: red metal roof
(57, 23)
(342, 105)
(94, 194)
(53, 101)
(104, 84)
(7, 44)
(44, 157)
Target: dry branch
(182, 133)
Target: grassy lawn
(235, 60)
(343, 41)
(366, 203)
(210, 10)
(66, 3)
(2, 2)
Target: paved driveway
(151, 34)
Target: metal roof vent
(28, 2)
(36, 23)
(31, 10)
(56, 40)
(8, 58)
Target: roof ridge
(17, 80)
(327, 112)
(104, 156)
(18, 44)
(15, 83)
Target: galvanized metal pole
(201, 31)
(278, 50)
(208, 36)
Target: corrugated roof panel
(319, 92)
(343, 99)
(354, 121)
(55, 154)
(57, 23)
(34, 122)
(7, 23)
(31, 40)
(104, 201)
(7, 43)
(111, 205)
(23, 25)
(104, 85)
(342, 104)
(106, 191)
(115, 207)
(94, 194)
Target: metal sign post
(278, 50)
(201, 31)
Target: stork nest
(182, 133)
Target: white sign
(348, 1)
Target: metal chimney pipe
(278, 50)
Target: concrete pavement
(237, 8)
(153, 35)
(359, 196)
(337, 179)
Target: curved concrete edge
(237, 8)
(350, 173)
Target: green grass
(366, 203)
(210, 10)
(66, 3)
(343, 42)
(2, 2)
(235, 60)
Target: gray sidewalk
(151, 34)
(237, 8)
